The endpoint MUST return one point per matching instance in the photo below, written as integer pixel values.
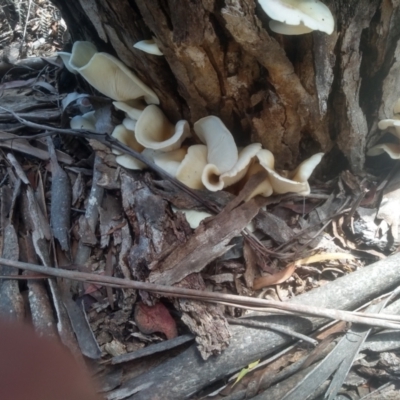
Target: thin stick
(212, 297)
(274, 327)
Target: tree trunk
(297, 95)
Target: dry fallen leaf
(286, 273)
(157, 318)
(274, 279)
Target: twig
(213, 297)
(374, 392)
(329, 219)
(274, 327)
(26, 24)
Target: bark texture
(295, 94)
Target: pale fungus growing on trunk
(392, 149)
(81, 54)
(191, 168)
(392, 126)
(217, 163)
(112, 78)
(128, 138)
(170, 161)
(132, 108)
(297, 180)
(222, 149)
(148, 46)
(154, 131)
(85, 121)
(296, 17)
(65, 57)
(107, 74)
(285, 29)
(129, 124)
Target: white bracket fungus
(107, 74)
(222, 149)
(132, 108)
(297, 181)
(171, 161)
(192, 166)
(85, 121)
(296, 17)
(127, 137)
(154, 131)
(392, 126)
(217, 163)
(148, 46)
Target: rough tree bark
(295, 94)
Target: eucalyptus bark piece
(206, 321)
(61, 196)
(15, 143)
(90, 218)
(150, 220)
(248, 345)
(153, 349)
(42, 312)
(36, 224)
(87, 342)
(210, 241)
(274, 227)
(11, 302)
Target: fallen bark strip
(153, 349)
(247, 345)
(208, 242)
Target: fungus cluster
(296, 17)
(215, 164)
(392, 126)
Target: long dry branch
(234, 300)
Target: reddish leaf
(274, 279)
(157, 318)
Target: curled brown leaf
(274, 279)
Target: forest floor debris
(121, 224)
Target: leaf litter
(121, 224)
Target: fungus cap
(298, 183)
(113, 78)
(213, 180)
(127, 137)
(390, 123)
(129, 162)
(129, 124)
(192, 166)
(285, 29)
(396, 107)
(170, 161)
(222, 150)
(65, 57)
(311, 13)
(85, 121)
(392, 149)
(132, 108)
(154, 131)
(148, 46)
(81, 54)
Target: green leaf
(245, 371)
